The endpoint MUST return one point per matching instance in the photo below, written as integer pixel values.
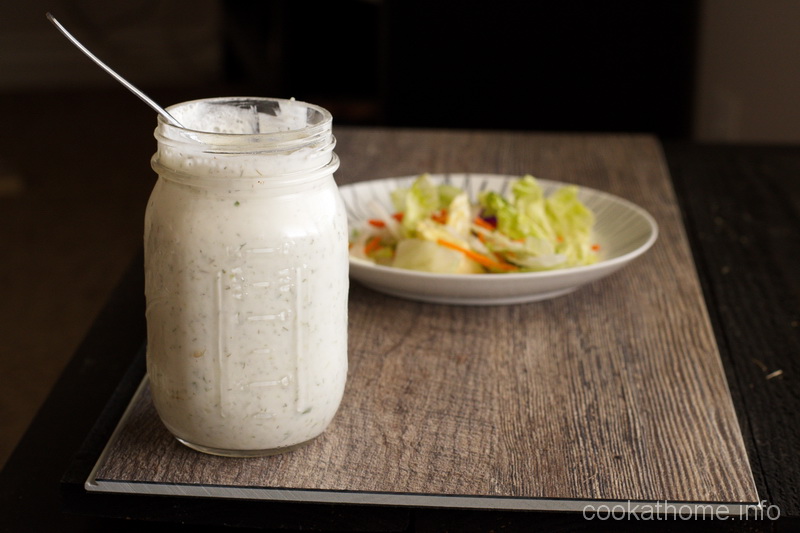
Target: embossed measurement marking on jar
(258, 296)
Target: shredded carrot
(483, 223)
(484, 260)
(372, 245)
(440, 217)
(595, 247)
(398, 217)
(378, 223)
(559, 238)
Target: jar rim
(276, 139)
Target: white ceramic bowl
(623, 230)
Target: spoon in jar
(146, 99)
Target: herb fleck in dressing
(246, 281)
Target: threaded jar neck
(263, 139)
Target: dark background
(559, 66)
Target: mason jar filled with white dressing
(246, 276)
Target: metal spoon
(163, 112)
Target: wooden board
(612, 393)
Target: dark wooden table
(739, 207)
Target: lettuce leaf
(541, 232)
(417, 202)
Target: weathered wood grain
(613, 392)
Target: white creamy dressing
(246, 288)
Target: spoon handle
(146, 99)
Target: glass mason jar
(246, 276)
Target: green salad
(435, 228)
